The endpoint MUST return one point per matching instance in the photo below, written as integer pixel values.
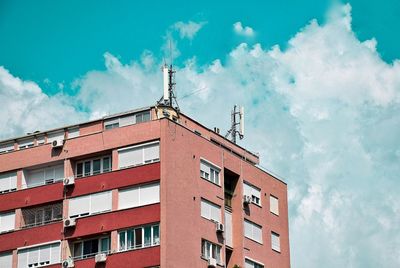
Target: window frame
(38, 248)
(253, 224)
(255, 264)
(133, 246)
(254, 198)
(214, 169)
(90, 255)
(54, 207)
(90, 212)
(91, 160)
(278, 236)
(214, 251)
(213, 205)
(276, 213)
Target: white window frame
(90, 212)
(214, 175)
(40, 219)
(11, 177)
(124, 232)
(115, 122)
(138, 188)
(253, 263)
(101, 158)
(141, 147)
(55, 135)
(274, 205)
(253, 226)
(5, 259)
(41, 139)
(99, 239)
(277, 245)
(213, 249)
(2, 215)
(41, 245)
(209, 216)
(6, 147)
(73, 132)
(255, 192)
(26, 143)
(45, 170)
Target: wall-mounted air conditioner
(68, 222)
(219, 227)
(57, 143)
(101, 257)
(68, 263)
(246, 199)
(69, 181)
(212, 263)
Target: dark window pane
(57, 211)
(48, 214)
(78, 249)
(147, 236)
(79, 170)
(96, 166)
(105, 244)
(130, 239)
(90, 246)
(138, 237)
(87, 168)
(106, 164)
(156, 235)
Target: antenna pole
(233, 131)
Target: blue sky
(320, 82)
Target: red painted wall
(140, 258)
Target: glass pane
(138, 238)
(79, 170)
(87, 168)
(39, 217)
(106, 164)
(78, 249)
(147, 236)
(105, 244)
(90, 247)
(96, 166)
(47, 214)
(156, 235)
(57, 211)
(122, 245)
(130, 239)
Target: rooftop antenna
(233, 132)
(169, 98)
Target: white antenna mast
(233, 131)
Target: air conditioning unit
(68, 222)
(69, 181)
(57, 143)
(68, 263)
(219, 227)
(212, 263)
(246, 199)
(101, 257)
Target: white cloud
(25, 108)
(240, 30)
(188, 29)
(323, 113)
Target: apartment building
(145, 188)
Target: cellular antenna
(234, 132)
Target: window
(89, 204)
(6, 147)
(253, 231)
(27, 143)
(73, 132)
(209, 172)
(7, 222)
(139, 196)
(43, 176)
(8, 182)
(139, 155)
(210, 211)
(90, 247)
(274, 204)
(210, 250)
(143, 117)
(275, 242)
(6, 260)
(252, 264)
(111, 123)
(39, 256)
(127, 120)
(41, 215)
(58, 135)
(40, 140)
(139, 237)
(252, 191)
(93, 166)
